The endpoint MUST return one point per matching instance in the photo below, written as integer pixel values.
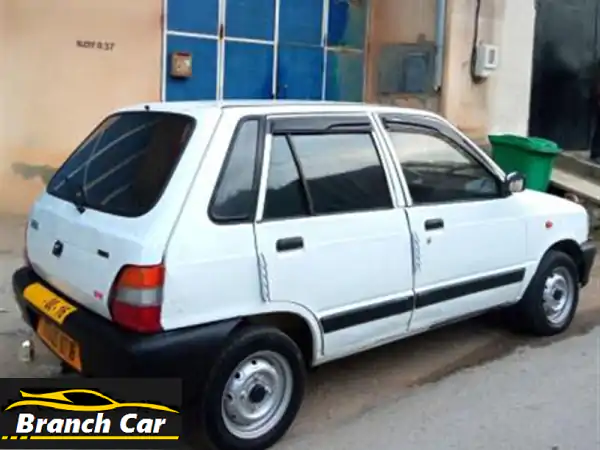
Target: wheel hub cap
(558, 296)
(257, 395)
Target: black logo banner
(73, 413)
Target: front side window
(343, 172)
(123, 167)
(437, 170)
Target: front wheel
(255, 390)
(550, 302)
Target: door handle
(434, 224)
(289, 244)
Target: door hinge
(264, 278)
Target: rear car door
(330, 231)
(469, 238)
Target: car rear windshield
(123, 167)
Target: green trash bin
(532, 157)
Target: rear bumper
(588, 250)
(110, 351)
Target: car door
(469, 238)
(330, 231)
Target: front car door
(469, 238)
(330, 231)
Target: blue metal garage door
(248, 48)
(292, 49)
(300, 53)
(345, 39)
(193, 26)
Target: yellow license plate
(65, 347)
(48, 302)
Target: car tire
(254, 390)
(550, 301)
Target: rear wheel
(550, 302)
(254, 391)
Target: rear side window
(342, 171)
(324, 173)
(234, 199)
(123, 167)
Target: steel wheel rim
(257, 395)
(559, 295)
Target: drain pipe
(440, 40)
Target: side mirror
(513, 183)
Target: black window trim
(305, 191)
(426, 126)
(324, 123)
(336, 123)
(184, 146)
(260, 148)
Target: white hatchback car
(237, 244)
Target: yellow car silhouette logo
(59, 400)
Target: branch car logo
(86, 414)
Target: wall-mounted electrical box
(406, 69)
(487, 59)
(181, 65)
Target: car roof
(274, 107)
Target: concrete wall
(500, 104)
(510, 91)
(398, 22)
(4, 76)
(66, 63)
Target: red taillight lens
(136, 300)
(143, 319)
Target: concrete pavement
(12, 328)
(343, 390)
(535, 399)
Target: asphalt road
(535, 399)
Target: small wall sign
(181, 65)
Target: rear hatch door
(95, 216)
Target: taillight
(136, 298)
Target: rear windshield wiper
(80, 196)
